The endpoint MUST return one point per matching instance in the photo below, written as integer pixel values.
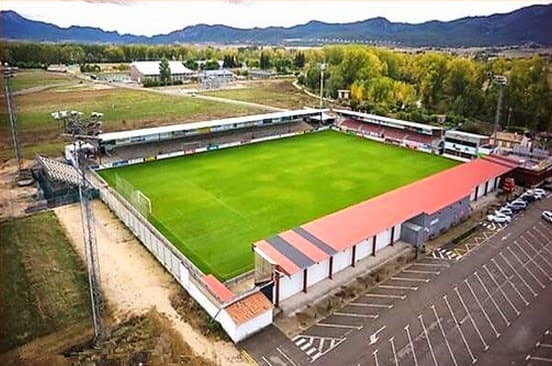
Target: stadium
(247, 212)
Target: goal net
(135, 197)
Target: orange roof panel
(304, 246)
(217, 288)
(248, 308)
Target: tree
(264, 61)
(299, 60)
(164, 72)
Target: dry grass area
(275, 93)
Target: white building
(142, 70)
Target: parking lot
(445, 309)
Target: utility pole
(501, 81)
(322, 68)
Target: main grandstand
(310, 201)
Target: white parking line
(386, 306)
(407, 330)
(523, 265)
(538, 252)
(540, 241)
(425, 280)
(444, 335)
(265, 360)
(506, 321)
(355, 315)
(421, 272)
(300, 342)
(510, 282)
(500, 289)
(392, 287)
(474, 360)
(482, 308)
(341, 326)
(402, 297)
(446, 265)
(375, 353)
(540, 359)
(392, 341)
(517, 274)
(427, 339)
(471, 319)
(286, 356)
(533, 260)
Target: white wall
(290, 285)
(318, 272)
(481, 190)
(364, 249)
(240, 332)
(342, 260)
(383, 239)
(397, 234)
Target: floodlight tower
(8, 74)
(322, 68)
(80, 131)
(501, 81)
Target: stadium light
(322, 67)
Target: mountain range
(531, 24)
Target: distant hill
(531, 24)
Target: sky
(155, 17)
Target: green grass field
(26, 79)
(44, 284)
(214, 205)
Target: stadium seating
(388, 133)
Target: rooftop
(248, 308)
(386, 119)
(206, 124)
(152, 67)
(466, 134)
(312, 242)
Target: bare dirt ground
(134, 282)
(13, 199)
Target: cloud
(116, 2)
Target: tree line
(422, 86)
(415, 87)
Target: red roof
(345, 228)
(351, 225)
(217, 288)
(249, 308)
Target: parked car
(517, 205)
(505, 211)
(547, 216)
(540, 191)
(527, 197)
(499, 219)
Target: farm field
(122, 108)
(275, 93)
(214, 205)
(44, 284)
(35, 78)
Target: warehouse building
(293, 261)
(149, 70)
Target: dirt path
(14, 199)
(134, 281)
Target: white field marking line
(393, 287)
(402, 297)
(392, 341)
(540, 359)
(427, 339)
(538, 252)
(425, 280)
(526, 269)
(541, 242)
(386, 306)
(486, 346)
(530, 259)
(356, 315)
(506, 321)
(444, 335)
(517, 274)
(421, 272)
(510, 282)
(265, 360)
(474, 360)
(500, 289)
(375, 353)
(342, 326)
(407, 330)
(286, 356)
(481, 307)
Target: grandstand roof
(221, 292)
(152, 67)
(466, 134)
(386, 119)
(352, 225)
(206, 124)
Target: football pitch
(212, 206)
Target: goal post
(136, 198)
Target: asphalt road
(491, 305)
